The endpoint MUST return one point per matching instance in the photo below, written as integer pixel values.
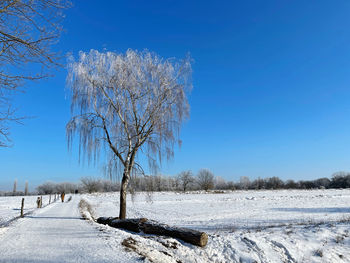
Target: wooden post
(22, 207)
(41, 201)
(50, 199)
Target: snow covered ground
(243, 226)
(10, 206)
(56, 234)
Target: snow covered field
(243, 226)
(10, 206)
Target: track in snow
(56, 234)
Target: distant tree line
(337, 181)
(205, 180)
(185, 181)
(86, 185)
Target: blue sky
(271, 87)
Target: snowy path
(57, 234)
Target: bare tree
(46, 188)
(205, 179)
(127, 102)
(15, 186)
(244, 182)
(91, 185)
(185, 179)
(26, 188)
(65, 187)
(220, 183)
(28, 30)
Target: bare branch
(141, 102)
(28, 30)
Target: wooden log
(105, 220)
(188, 235)
(151, 227)
(128, 224)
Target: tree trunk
(123, 190)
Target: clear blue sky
(271, 87)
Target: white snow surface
(243, 226)
(10, 206)
(57, 233)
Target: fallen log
(151, 227)
(134, 225)
(105, 220)
(188, 235)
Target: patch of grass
(318, 253)
(339, 239)
(289, 232)
(130, 244)
(218, 192)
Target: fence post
(41, 201)
(22, 207)
(50, 199)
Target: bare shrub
(318, 253)
(86, 210)
(205, 179)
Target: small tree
(65, 187)
(205, 179)
(127, 102)
(185, 180)
(26, 188)
(15, 187)
(91, 185)
(244, 182)
(220, 183)
(46, 188)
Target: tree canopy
(122, 103)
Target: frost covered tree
(244, 182)
(205, 179)
(28, 30)
(91, 185)
(127, 103)
(186, 179)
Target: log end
(203, 240)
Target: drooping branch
(140, 100)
